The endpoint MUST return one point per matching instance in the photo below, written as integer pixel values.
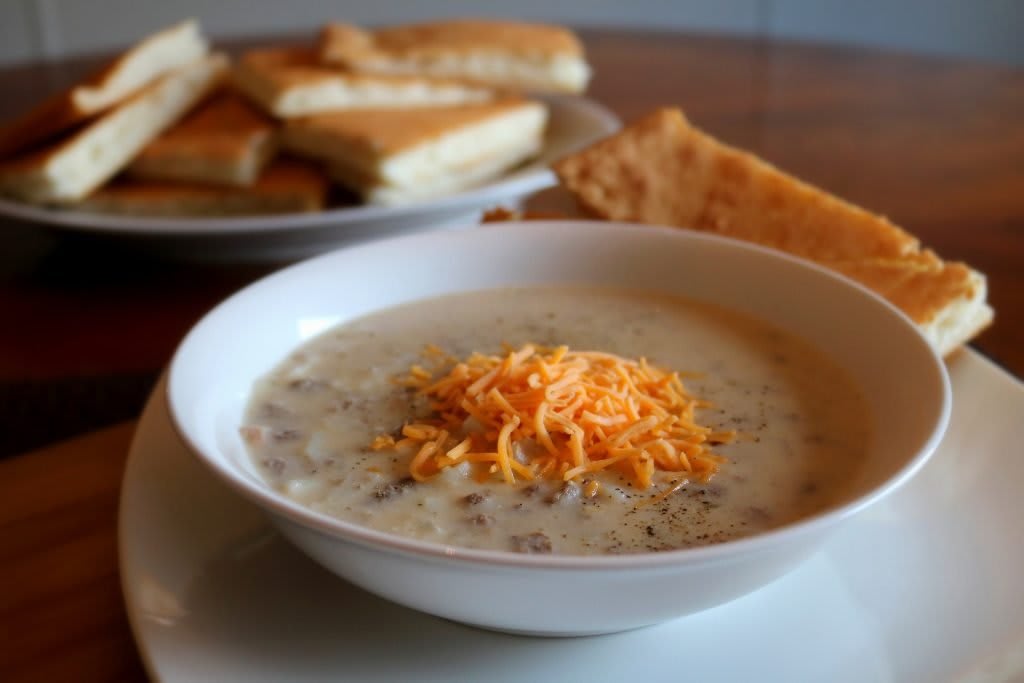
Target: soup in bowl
(558, 428)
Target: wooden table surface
(936, 145)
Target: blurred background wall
(991, 30)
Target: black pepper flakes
(286, 435)
(474, 499)
(274, 465)
(395, 488)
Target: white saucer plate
(574, 123)
(925, 586)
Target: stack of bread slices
(394, 115)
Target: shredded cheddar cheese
(552, 413)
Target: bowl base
(530, 633)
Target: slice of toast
(396, 155)
(71, 168)
(662, 170)
(159, 54)
(284, 186)
(224, 141)
(506, 54)
(290, 82)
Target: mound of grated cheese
(541, 412)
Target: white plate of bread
(299, 147)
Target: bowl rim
(349, 532)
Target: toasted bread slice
(225, 141)
(661, 170)
(396, 155)
(148, 60)
(284, 186)
(505, 54)
(290, 82)
(68, 170)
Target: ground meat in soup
(802, 425)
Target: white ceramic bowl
(247, 335)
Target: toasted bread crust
(290, 81)
(380, 133)
(504, 54)
(40, 124)
(299, 65)
(284, 186)
(105, 88)
(344, 43)
(225, 140)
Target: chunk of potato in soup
(802, 425)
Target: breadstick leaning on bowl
(663, 170)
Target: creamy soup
(801, 425)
